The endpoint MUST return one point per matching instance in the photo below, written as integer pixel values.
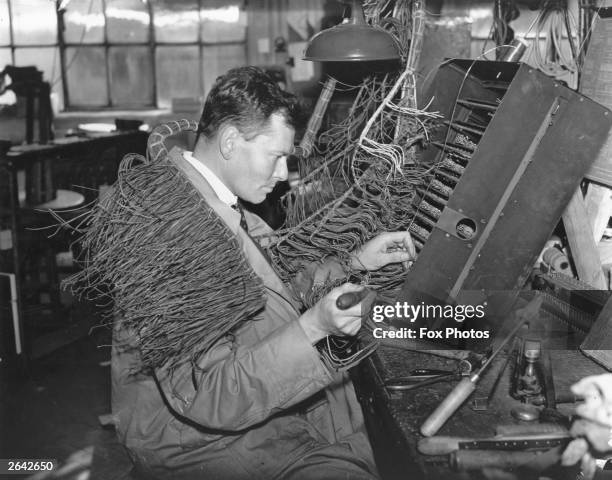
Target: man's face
(259, 162)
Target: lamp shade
(353, 41)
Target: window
(124, 53)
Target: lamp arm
(357, 15)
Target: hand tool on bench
(532, 447)
(422, 377)
(466, 386)
(511, 437)
(482, 403)
(514, 461)
(431, 348)
(350, 299)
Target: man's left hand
(385, 248)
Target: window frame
(62, 46)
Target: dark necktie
(243, 223)
(240, 209)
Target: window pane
(176, 20)
(177, 73)
(45, 59)
(86, 76)
(477, 46)
(48, 61)
(5, 34)
(222, 21)
(128, 21)
(216, 60)
(84, 22)
(482, 18)
(5, 57)
(34, 22)
(131, 76)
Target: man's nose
(281, 172)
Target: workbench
(393, 418)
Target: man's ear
(228, 136)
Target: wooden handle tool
(350, 299)
(466, 386)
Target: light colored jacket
(250, 409)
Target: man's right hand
(325, 318)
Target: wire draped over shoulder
(174, 273)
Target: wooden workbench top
(395, 417)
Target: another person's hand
(593, 430)
(385, 248)
(597, 435)
(597, 393)
(578, 451)
(325, 318)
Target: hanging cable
(554, 26)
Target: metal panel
(536, 148)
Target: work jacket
(253, 406)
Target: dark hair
(246, 97)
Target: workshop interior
(481, 127)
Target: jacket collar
(231, 217)
(222, 192)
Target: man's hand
(325, 318)
(385, 248)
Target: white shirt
(224, 193)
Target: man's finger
(352, 329)
(409, 245)
(401, 238)
(394, 237)
(399, 256)
(344, 288)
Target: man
(258, 403)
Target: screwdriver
(466, 386)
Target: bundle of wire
(357, 183)
(161, 259)
(555, 27)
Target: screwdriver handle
(466, 386)
(449, 405)
(350, 299)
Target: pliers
(422, 377)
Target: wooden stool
(42, 241)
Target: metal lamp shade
(351, 43)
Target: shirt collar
(221, 190)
